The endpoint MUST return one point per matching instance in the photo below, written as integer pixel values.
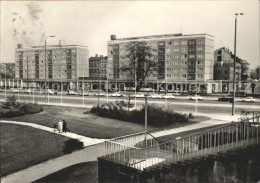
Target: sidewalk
(92, 152)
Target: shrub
(157, 116)
(72, 145)
(30, 108)
(8, 113)
(11, 108)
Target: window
(169, 56)
(200, 68)
(200, 56)
(184, 75)
(184, 42)
(175, 56)
(184, 49)
(191, 55)
(169, 42)
(176, 49)
(225, 71)
(200, 62)
(219, 51)
(154, 50)
(161, 57)
(161, 50)
(199, 48)
(161, 43)
(175, 42)
(219, 58)
(192, 49)
(199, 41)
(191, 42)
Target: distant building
(224, 65)
(66, 63)
(98, 67)
(181, 58)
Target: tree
(253, 87)
(255, 74)
(140, 63)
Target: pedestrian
(60, 126)
(64, 126)
(55, 125)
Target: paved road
(178, 104)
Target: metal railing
(142, 150)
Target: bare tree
(140, 61)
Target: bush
(11, 108)
(8, 113)
(30, 108)
(72, 145)
(157, 116)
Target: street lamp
(45, 67)
(234, 70)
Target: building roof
(49, 46)
(161, 36)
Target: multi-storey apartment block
(180, 57)
(66, 63)
(224, 65)
(98, 67)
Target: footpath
(94, 149)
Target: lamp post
(234, 71)
(46, 67)
(5, 82)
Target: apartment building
(66, 63)
(224, 65)
(181, 58)
(98, 67)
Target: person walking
(60, 126)
(64, 129)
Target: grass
(89, 125)
(82, 172)
(23, 146)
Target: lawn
(83, 172)
(86, 124)
(23, 146)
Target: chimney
(19, 45)
(96, 55)
(113, 37)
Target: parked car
(101, 94)
(169, 96)
(71, 92)
(196, 97)
(116, 94)
(248, 99)
(49, 91)
(155, 96)
(15, 90)
(139, 95)
(226, 98)
(147, 89)
(83, 93)
(28, 91)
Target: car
(147, 89)
(71, 92)
(155, 96)
(226, 98)
(169, 96)
(139, 95)
(83, 93)
(248, 99)
(116, 94)
(28, 91)
(15, 90)
(99, 94)
(196, 97)
(49, 91)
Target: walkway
(89, 153)
(86, 140)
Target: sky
(90, 23)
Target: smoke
(28, 28)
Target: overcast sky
(91, 23)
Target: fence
(142, 150)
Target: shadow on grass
(80, 173)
